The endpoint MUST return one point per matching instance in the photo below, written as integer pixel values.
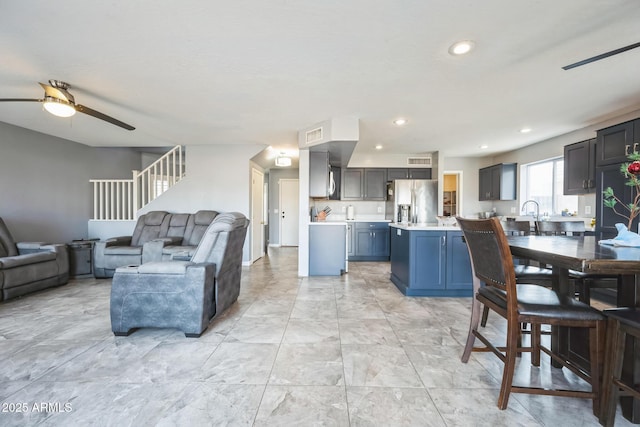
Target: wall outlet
(587, 210)
(513, 209)
(379, 209)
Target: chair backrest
(197, 226)
(7, 244)
(516, 228)
(148, 227)
(560, 228)
(223, 241)
(175, 226)
(491, 259)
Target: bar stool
(620, 322)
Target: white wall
(218, 177)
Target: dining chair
(523, 268)
(583, 282)
(524, 271)
(620, 323)
(492, 264)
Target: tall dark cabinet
(580, 167)
(613, 145)
(498, 182)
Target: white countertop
(416, 227)
(425, 227)
(343, 223)
(342, 220)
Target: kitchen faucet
(537, 217)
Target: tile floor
(339, 351)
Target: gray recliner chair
(30, 266)
(183, 294)
(127, 250)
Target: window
(543, 182)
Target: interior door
(257, 215)
(289, 214)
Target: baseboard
(274, 245)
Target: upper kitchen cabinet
(408, 173)
(364, 184)
(498, 182)
(375, 184)
(419, 173)
(615, 143)
(580, 167)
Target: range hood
(337, 136)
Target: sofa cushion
(197, 226)
(176, 225)
(149, 227)
(29, 273)
(123, 250)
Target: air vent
(313, 135)
(419, 161)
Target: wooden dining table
(585, 254)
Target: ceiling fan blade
(101, 116)
(601, 56)
(20, 100)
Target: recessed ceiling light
(400, 122)
(378, 147)
(484, 146)
(525, 130)
(461, 47)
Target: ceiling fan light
(461, 47)
(58, 107)
(283, 161)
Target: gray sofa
(30, 266)
(157, 236)
(183, 294)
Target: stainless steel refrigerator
(420, 195)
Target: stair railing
(120, 199)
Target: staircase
(120, 199)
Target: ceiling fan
(601, 56)
(59, 102)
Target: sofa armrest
(152, 250)
(117, 241)
(25, 260)
(30, 247)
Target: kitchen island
(430, 260)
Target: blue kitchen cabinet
(327, 249)
(430, 263)
(458, 262)
(371, 241)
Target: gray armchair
(183, 294)
(30, 266)
(127, 250)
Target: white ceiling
(214, 72)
